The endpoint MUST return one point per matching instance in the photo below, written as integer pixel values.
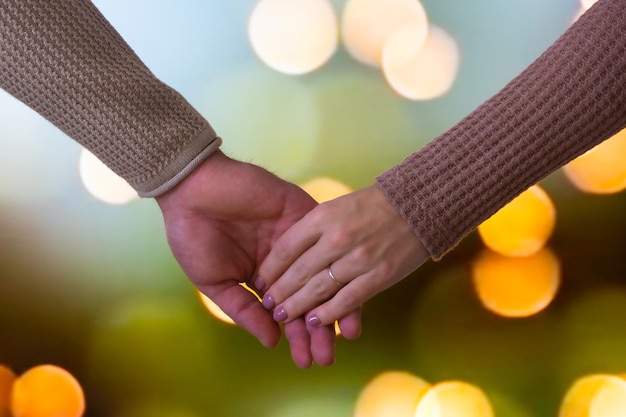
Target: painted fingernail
(280, 314)
(314, 321)
(268, 302)
(259, 284)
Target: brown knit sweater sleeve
(63, 59)
(570, 99)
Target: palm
(220, 223)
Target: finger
(245, 309)
(348, 299)
(321, 287)
(297, 276)
(323, 344)
(299, 340)
(293, 243)
(350, 325)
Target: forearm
(569, 100)
(68, 63)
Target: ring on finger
(332, 276)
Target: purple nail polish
(268, 302)
(259, 284)
(280, 314)
(314, 321)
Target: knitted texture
(65, 60)
(569, 100)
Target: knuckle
(362, 254)
(319, 290)
(339, 238)
(301, 270)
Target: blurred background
(92, 286)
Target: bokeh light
(324, 189)
(102, 183)
(7, 378)
(420, 70)
(216, 311)
(47, 391)
(586, 4)
(523, 226)
(391, 393)
(595, 395)
(367, 25)
(294, 36)
(454, 399)
(601, 170)
(516, 286)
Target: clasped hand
(230, 222)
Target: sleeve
(64, 60)
(569, 100)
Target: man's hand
(221, 222)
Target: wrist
(199, 178)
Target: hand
(221, 221)
(361, 237)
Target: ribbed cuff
(175, 172)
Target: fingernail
(280, 314)
(259, 284)
(268, 302)
(314, 321)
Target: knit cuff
(205, 144)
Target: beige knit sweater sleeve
(63, 59)
(570, 99)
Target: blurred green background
(94, 289)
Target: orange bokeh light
(47, 391)
(516, 286)
(523, 226)
(7, 378)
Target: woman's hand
(339, 255)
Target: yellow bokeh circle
(391, 393)
(454, 399)
(601, 170)
(523, 226)
(323, 189)
(595, 395)
(516, 286)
